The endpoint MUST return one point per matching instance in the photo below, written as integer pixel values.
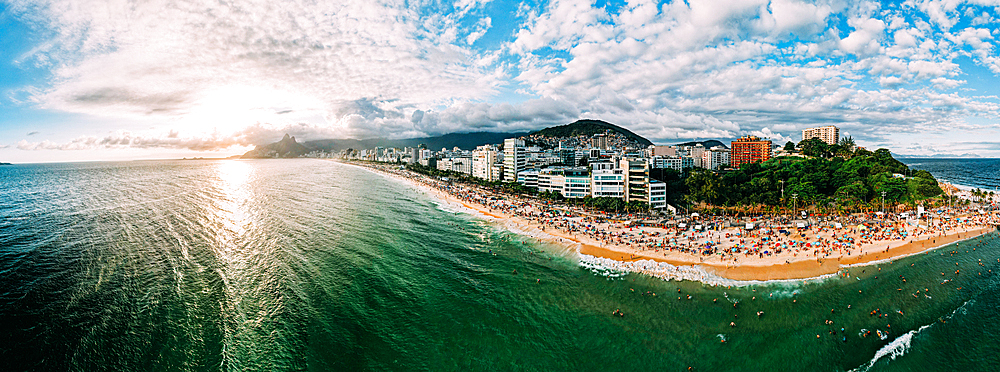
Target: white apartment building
(513, 159)
(484, 159)
(460, 165)
(606, 180)
(657, 191)
(528, 177)
(716, 157)
(829, 134)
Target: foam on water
(899, 346)
(666, 271)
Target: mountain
(707, 144)
(466, 141)
(589, 127)
(286, 148)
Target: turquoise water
(310, 264)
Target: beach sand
(745, 269)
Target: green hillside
(589, 127)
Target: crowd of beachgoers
(728, 239)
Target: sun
(230, 109)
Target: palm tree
(848, 143)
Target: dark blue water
(975, 173)
(313, 265)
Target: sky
(85, 80)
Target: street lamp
(795, 205)
(883, 204)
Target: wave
(899, 346)
(614, 269)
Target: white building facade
(513, 159)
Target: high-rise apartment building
(484, 159)
(513, 158)
(829, 134)
(748, 150)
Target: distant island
(6, 164)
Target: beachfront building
(829, 134)
(749, 149)
(715, 158)
(484, 159)
(570, 182)
(576, 182)
(528, 177)
(606, 180)
(678, 163)
(459, 164)
(513, 158)
(657, 191)
(639, 186)
(636, 173)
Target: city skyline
(86, 80)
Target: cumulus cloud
(152, 59)
(389, 68)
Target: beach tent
(695, 214)
(749, 226)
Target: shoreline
(800, 268)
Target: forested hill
(589, 127)
(853, 181)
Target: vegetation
(851, 182)
(589, 128)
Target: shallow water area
(310, 264)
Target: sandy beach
(820, 256)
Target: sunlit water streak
(310, 264)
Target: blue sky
(98, 80)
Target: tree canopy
(852, 181)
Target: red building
(748, 150)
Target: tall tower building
(513, 159)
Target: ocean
(966, 173)
(310, 264)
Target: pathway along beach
(786, 266)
